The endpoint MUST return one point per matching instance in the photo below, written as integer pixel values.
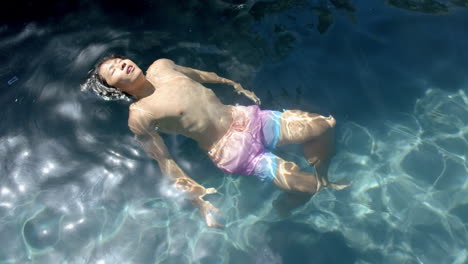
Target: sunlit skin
(172, 99)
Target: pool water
(75, 187)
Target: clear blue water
(76, 188)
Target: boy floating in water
(239, 139)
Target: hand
(208, 212)
(251, 95)
(192, 189)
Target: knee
(323, 123)
(288, 167)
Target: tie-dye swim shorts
(245, 148)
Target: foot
(322, 182)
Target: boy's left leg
(316, 133)
(299, 127)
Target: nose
(123, 66)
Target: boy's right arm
(154, 146)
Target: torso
(183, 106)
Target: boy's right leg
(298, 186)
(289, 178)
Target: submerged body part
(244, 148)
(239, 139)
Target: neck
(145, 90)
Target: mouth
(130, 69)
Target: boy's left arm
(211, 77)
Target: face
(122, 73)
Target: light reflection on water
(76, 187)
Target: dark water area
(75, 187)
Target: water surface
(76, 188)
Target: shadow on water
(300, 243)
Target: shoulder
(163, 63)
(139, 121)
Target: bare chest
(173, 112)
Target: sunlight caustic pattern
(410, 182)
(408, 201)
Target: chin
(137, 72)
(138, 78)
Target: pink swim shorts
(245, 148)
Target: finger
(210, 221)
(211, 190)
(213, 223)
(216, 225)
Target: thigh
(271, 128)
(266, 166)
(298, 127)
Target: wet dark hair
(96, 83)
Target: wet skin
(172, 99)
